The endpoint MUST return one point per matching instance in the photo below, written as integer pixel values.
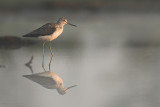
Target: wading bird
(49, 32)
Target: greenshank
(49, 32)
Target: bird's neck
(60, 24)
(61, 90)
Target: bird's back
(44, 30)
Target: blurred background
(113, 55)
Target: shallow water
(112, 57)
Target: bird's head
(63, 21)
(62, 90)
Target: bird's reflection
(49, 80)
(28, 64)
(14, 42)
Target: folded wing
(46, 29)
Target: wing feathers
(46, 29)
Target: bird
(49, 32)
(49, 80)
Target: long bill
(71, 24)
(71, 87)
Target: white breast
(56, 34)
(53, 36)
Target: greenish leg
(51, 56)
(43, 55)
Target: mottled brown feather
(44, 30)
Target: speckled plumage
(46, 29)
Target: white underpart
(53, 36)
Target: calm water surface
(114, 59)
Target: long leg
(51, 56)
(43, 56)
